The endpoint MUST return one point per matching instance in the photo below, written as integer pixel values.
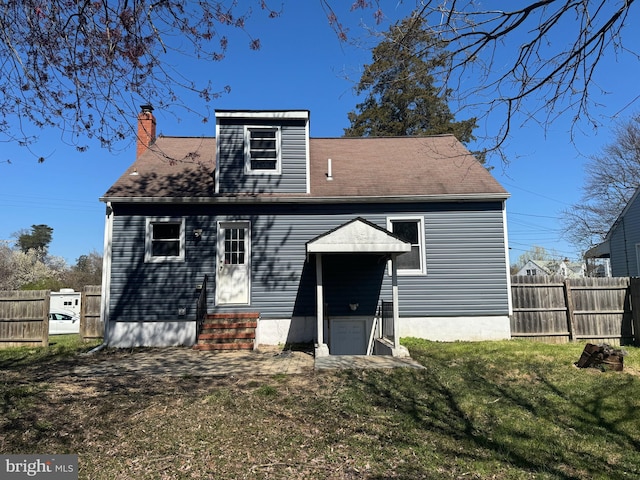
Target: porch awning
(602, 250)
(358, 236)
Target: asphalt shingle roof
(362, 167)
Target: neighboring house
(621, 245)
(598, 267)
(564, 268)
(304, 238)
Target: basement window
(165, 240)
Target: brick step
(226, 336)
(233, 316)
(223, 346)
(228, 331)
(222, 324)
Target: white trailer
(64, 312)
(65, 301)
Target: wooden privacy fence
(24, 316)
(91, 326)
(557, 310)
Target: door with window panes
(233, 256)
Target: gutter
(463, 197)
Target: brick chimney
(146, 129)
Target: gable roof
(542, 265)
(553, 267)
(358, 235)
(435, 167)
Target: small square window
(164, 240)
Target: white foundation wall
(452, 329)
(303, 330)
(282, 331)
(150, 334)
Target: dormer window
(262, 149)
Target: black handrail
(387, 319)
(201, 306)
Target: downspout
(626, 249)
(394, 299)
(507, 260)
(106, 278)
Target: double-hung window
(262, 149)
(165, 239)
(409, 229)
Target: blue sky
(301, 65)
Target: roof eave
(246, 199)
(602, 250)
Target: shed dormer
(262, 151)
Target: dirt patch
(155, 426)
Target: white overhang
(263, 114)
(358, 236)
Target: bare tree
(612, 176)
(84, 66)
(536, 60)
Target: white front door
(233, 270)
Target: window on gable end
(262, 149)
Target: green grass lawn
(486, 410)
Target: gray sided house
(350, 243)
(621, 245)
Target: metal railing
(201, 306)
(386, 314)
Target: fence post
(45, 327)
(568, 300)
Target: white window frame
(247, 149)
(421, 245)
(148, 244)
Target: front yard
(502, 410)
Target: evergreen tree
(38, 239)
(402, 98)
